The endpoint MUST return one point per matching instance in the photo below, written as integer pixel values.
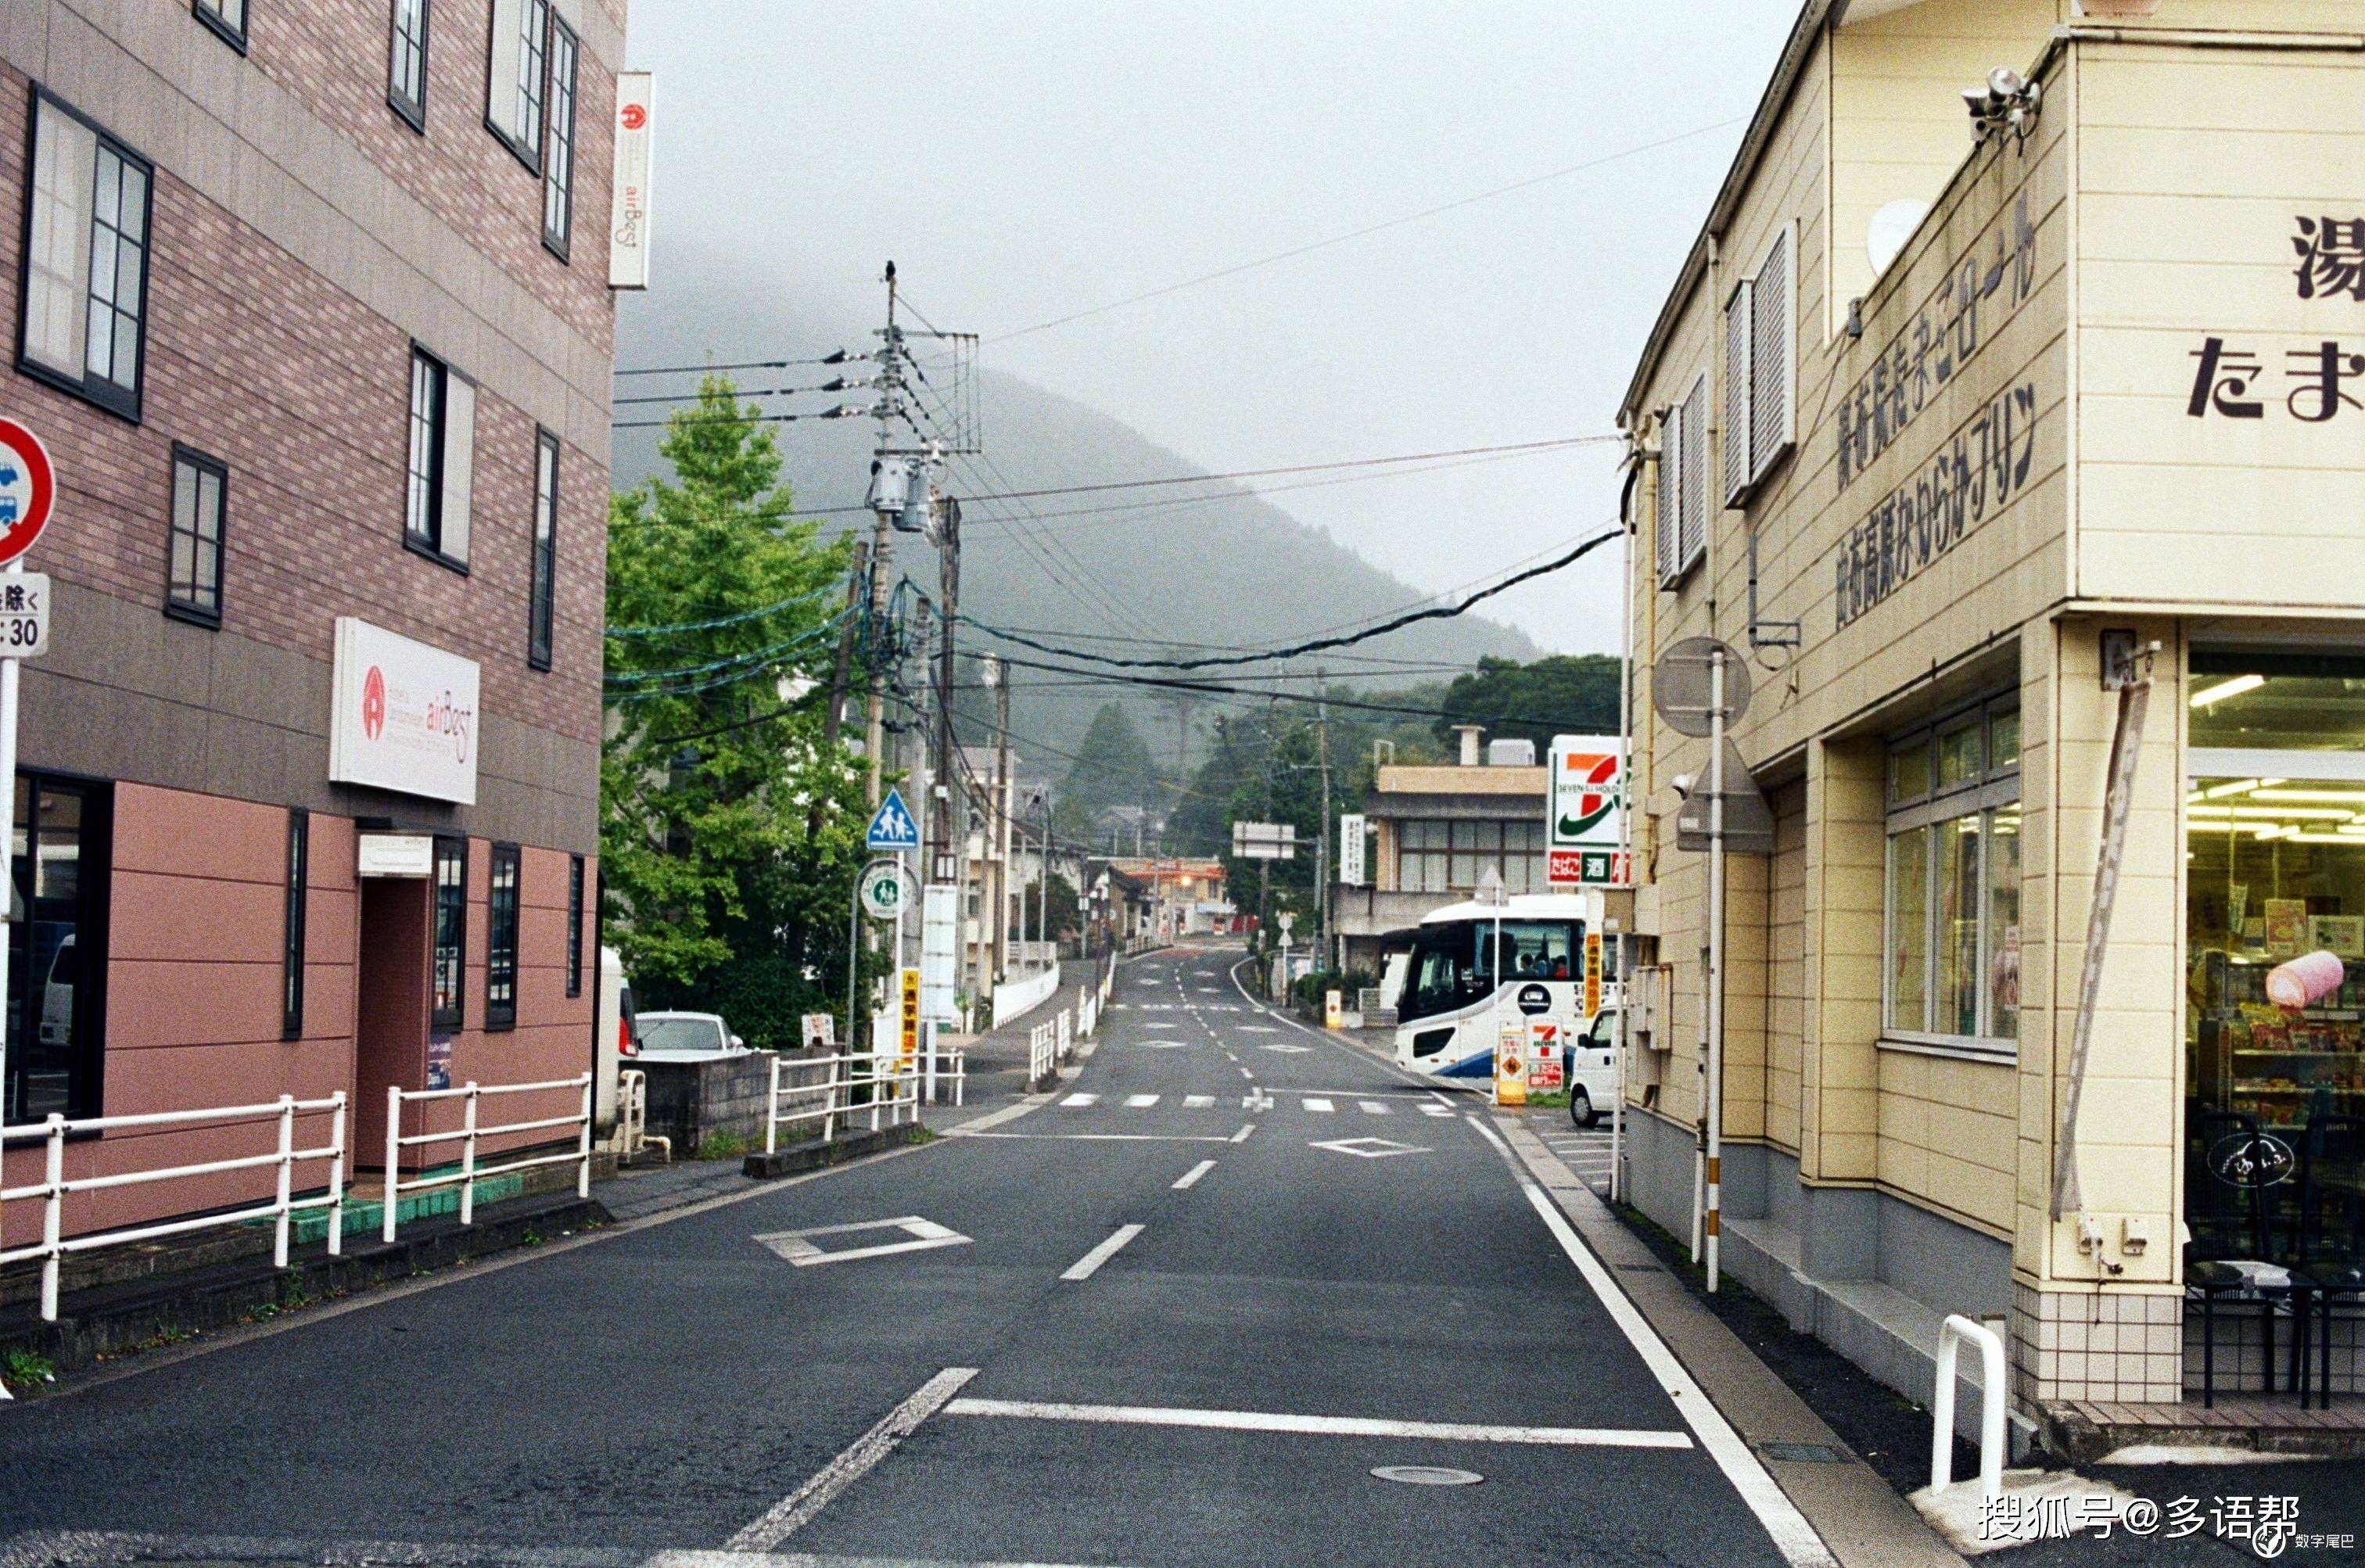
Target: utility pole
(1264, 868)
(856, 587)
(1002, 825)
(940, 838)
(1322, 834)
(883, 492)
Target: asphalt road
(1177, 1316)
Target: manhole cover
(1428, 1475)
(1800, 1453)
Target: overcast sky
(1027, 159)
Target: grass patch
(721, 1145)
(25, 1368)
(1555, 1101)
(919, 1132)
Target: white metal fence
(1950, 1336)
(53, 1188)
(831, 1100)
(470, 1132)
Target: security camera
(1682, 783)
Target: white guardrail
(1950, 1336)
(53, 1188)
(830, 1098)
(470, 1131)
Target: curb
(801, 1157)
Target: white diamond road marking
(1164, 1044)
(1140, 1102)
(1369, 1148)
(797, 1248)
(1197, 1102)
(1161, 1024)
(1285, 1048)
(1321, 1106)
(1371, 1107)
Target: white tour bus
(1454, 1001)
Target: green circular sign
(884, 893)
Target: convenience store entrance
(2275, 940)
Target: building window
(405, 74)
(57, 949)
(1683, 484)
(225, 17)
(451, 932)
(441, 460)
(558, 166)
(291, 955)
(514, 77)
(575, 925)
(1452, 855)
(194, 557)
(542, 594)
(1759, 400)
(501, 940)
(1951, 954)
(86, 300)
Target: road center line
(797, 1509)
(1089, 1264)
(1322, 1426)
(1191, 1177)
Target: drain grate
(1428, 1475)
(1801, 1454)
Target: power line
(838, 357)
(1308, 249)
(1435, 613)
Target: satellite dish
(1682, 685)
(1890, 228)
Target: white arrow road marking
(1086, 1266)
(1323, 1426)
(1285, 1048)
(1369, 1148)
(797, 1509)
(797, 1246)
(1256, 1100)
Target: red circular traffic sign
(28, 488)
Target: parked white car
(686, 1037)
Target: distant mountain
(1230, 569)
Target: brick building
(310, 305)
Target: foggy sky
(1025, 158)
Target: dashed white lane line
(1079, 1101)
(1321, 1426)
(1197, 1102)
(1371, 1107)
(797, 1509)
(1320, 1105)
(1191, 1177)
(1247, 1074)
(1437, 1110)
(1141, 1102)
(1242, 1136)
(1085, 1267)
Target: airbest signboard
(1586, 812)
(628, 221)
(404, 717)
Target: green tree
(730, 835)
(1562, 695)
(1112, 768)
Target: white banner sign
(404, 715)
(628, 227)
(1351, 849)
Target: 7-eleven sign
(1586, 812)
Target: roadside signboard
(28, 489)
(820, 1029)
(1333, 1010)
(1544, 1055)
(891, 827)
(628, 217)
(909, 1046)
(1585, 812)
(1264, 841)
(885, 890)
(24, 615)
(1351, 828)
(1510, 1069)
(1592, 973)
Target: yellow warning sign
(1511, 1073)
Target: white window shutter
(1693, 540)
(1671, 447)
(1738, 388)
(1773, 336)
(459, 462)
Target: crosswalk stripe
(1320, 1106)
(1197, 1102)
(1140, 1102)
(1437, 1110)
(1371, 1107)
(1079, 1101)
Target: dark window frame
(218, 25)
(430, 544)
(503, 917)
(452, 849)
(298, 907)
(125, 404)
(559, 139)
(413, 113)
(574, 879)
(541, 588)
(174, 606)
(527, 153)
(87, 1085)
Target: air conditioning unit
(1511, 752)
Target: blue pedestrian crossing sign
(893, 827)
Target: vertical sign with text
(1586, 812)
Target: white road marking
(1427, 1110)
(1372, 1108)
(1103, 1138)
(1369, 1148)
(1791, 1534)
(1089, 1264)
(1165, 1045)
(1258, 1029)
(797, 1509)
(1247, 1074)
(1256, 1100)
(1242, 1136)
(1140, 1102)
(1161, 1024)
(1322, 1426)
(1081, 1101)
(1197, 1102)
(1282, 1048)
(796, 1247)
(1321, 1106)
(1191, 1177)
